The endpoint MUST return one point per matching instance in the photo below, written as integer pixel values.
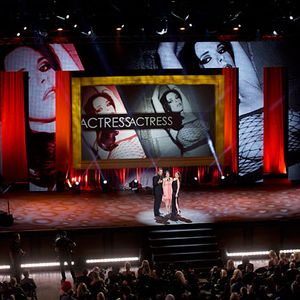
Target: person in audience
(128, 275)
(82, 292)
(180, 286)
(283, 262)
(101, 296)
(230, 267)
(84, 278)
(66, 291)
(295, 287)
(15, 254)
(16, 290)
(273, 259)
(292, 272)
(28, 285)
(297, 259)
(64, 248)
(144, 269)
(244, 264)
(234, 296)
(97, 284)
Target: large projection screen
(146, 121)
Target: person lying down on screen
(191, 137)
(110, 144)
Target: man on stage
(157, 191)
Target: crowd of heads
(278, 280)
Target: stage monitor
(143, 121)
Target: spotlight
(89, 32)
(190, 24)
(182, 28)
(239, 26)
(25, 28)
(134, 185)
(67, 16)
(75, 25)
(275, 32)
(222, 177)
(195, 178)
(291, 17)
(76, 186)
(18, 34)
(104, 186)
(235, 28)
(60, 29)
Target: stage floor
(48, 211)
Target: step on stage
(47, 211)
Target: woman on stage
(167, 191)
(175, 193)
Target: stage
(50, 211)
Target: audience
(168, 282)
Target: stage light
(88, 261)
(195, 178)
(239, 26)
(108, 260)
(275, 32)
(25, 28)
(289, 251)
(60, 17)
(222, 177)
(104, 185)
(253, 253)
(89, 32)
(60, 29)
(235, 28)
(190, 24)
(182, 28)
(18, 34)
(75, 25)
(291, 17)
(67, 16)
(4, 267)
(118, 28)
(76, 187)
(134, 185)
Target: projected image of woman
(191, 136)
(111, 143)
(41, 62)
(193, 56)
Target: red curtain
(14, 158)
(274, 119)
(230, 118)
(63, 122)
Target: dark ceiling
(147, 18)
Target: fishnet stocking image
(250, 143)
(294, 137)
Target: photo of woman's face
(174, 102)
(103, 106)
(41, 82)
(213, 55)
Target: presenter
(157, 191)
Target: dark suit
(157, 192)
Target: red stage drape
(63, 122)
(274, 119)
(230, 118)
(14, 158)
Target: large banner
(161, 118)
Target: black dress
(174, 189)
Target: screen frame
(78, 82)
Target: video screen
(139, 124)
